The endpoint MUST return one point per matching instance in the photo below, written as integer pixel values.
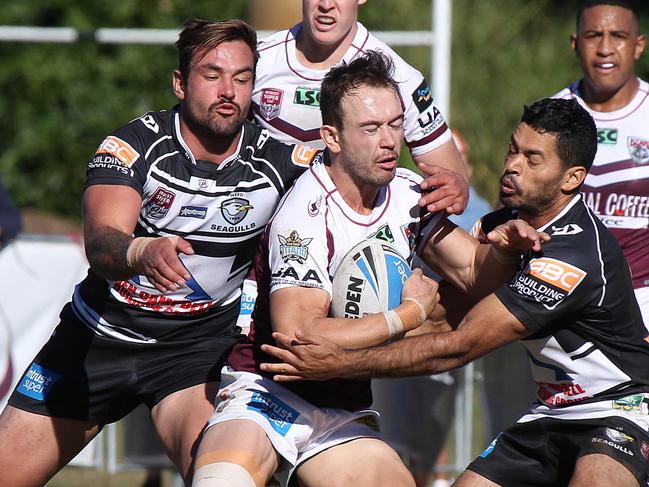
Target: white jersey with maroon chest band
(617, 186)
(286, 97)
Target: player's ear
(574, 177)
(640, 42)
(573, 43)
(329, 134)
(178, 84)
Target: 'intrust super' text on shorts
(81, 375)
(297, 429)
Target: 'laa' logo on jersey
(557, 273)
(120, 149)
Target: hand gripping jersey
(575, 295)
(617, 186)
(304, 243)
(221, 210)
(286, 97)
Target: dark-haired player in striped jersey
(572, 306)
(174, 205)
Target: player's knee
(222, 474)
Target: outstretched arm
(487, 326)
(110, 215)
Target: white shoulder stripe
(148, 152)
(599, 253)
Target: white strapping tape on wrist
(395, 325)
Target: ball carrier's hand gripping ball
(368, 280)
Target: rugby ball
(368, 280)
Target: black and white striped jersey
(588, 344)
(220, 209)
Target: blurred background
(60, 100)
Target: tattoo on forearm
(106, 252)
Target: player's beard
(534, 202)
(209, 123)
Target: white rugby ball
(368, 280)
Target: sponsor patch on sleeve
(422, 96)
(302, 155)
(120, 149)
(548, 281)
(557, 273)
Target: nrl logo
(235, 209)
(293, 247)
(638, 149)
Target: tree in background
(60, 100)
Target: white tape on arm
(395, 325)
(139, 244)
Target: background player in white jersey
(286, 97)
(608, 44)
(356, 192)
(571, 304)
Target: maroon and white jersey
(303, 245)
(617, 187)
(286, 97)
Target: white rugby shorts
(297, 429)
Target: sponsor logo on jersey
(612, 444)
(491, 447)
(556, 273)
(37, 382)
(293, 247)
(120, 149)
(105, 161)
(422, 97)
(159, 204)
(618, 436)
(560, 393)
(279, 414)
(625, 210)
(150, 123)
(308, 96)
(638, 149)
(644, 449)
(202, 183)
(547, 281)
(383, 233)
(271, 103)
(314, 207)
(199, 212)
(628, 403)
(606, 136)
(302, 155)
(235, 209)
(430, 121)
(569, 229)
